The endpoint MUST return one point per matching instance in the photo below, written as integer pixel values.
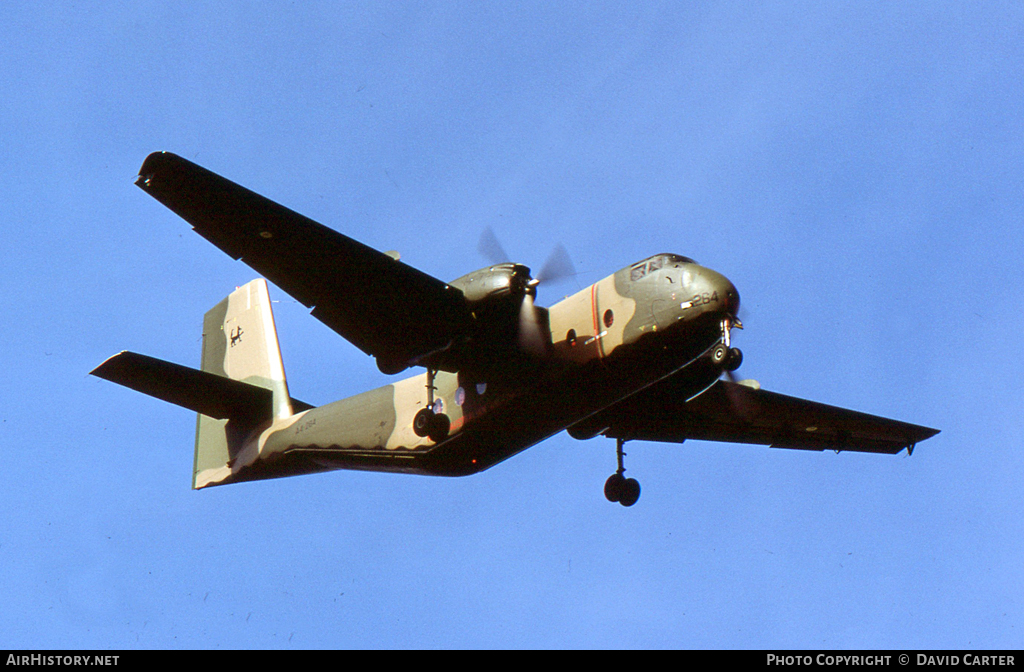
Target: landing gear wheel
(613, 487)
(735, 359)
(422, 422)
(629, 492)
(439, 426)
(433, 425)
(720, 355)
(618, 488)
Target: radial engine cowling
(506, 324)
(500, 283)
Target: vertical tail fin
(239, 342)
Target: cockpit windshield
(655, 263)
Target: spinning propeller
(558, 266)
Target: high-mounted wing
(737, 413)
(386, 308)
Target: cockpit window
(655, 263)
(674, 259)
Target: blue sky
(856, 169)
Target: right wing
(736, 413)
(385, 308)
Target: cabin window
(570, 338)
(609, 317)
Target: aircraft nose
(732, 299)
(717, 285)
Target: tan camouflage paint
(240, 342)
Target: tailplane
(240, 388)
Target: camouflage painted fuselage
(625, 357)
(607, 342)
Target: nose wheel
(726, 358)
(735, 359)
(618, 488)
(729, 359)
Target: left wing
(736, 413)
(386, 308)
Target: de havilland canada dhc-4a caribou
(644, 354)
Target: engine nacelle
(508, 330)
(493, 283)
(505, 325)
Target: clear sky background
(856, 169)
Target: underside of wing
(386, 308)
(738, 413)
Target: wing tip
(110, 366)
(157, 157)
(921, 434)
(154, 163)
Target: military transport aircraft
(639, 355)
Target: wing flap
(384, 307)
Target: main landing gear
(427, 422)
(618, 488)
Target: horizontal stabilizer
(207, 393)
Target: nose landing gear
(729, 359)
(618, 488)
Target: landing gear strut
(618, 488)
(724, 356)
(427, 422)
